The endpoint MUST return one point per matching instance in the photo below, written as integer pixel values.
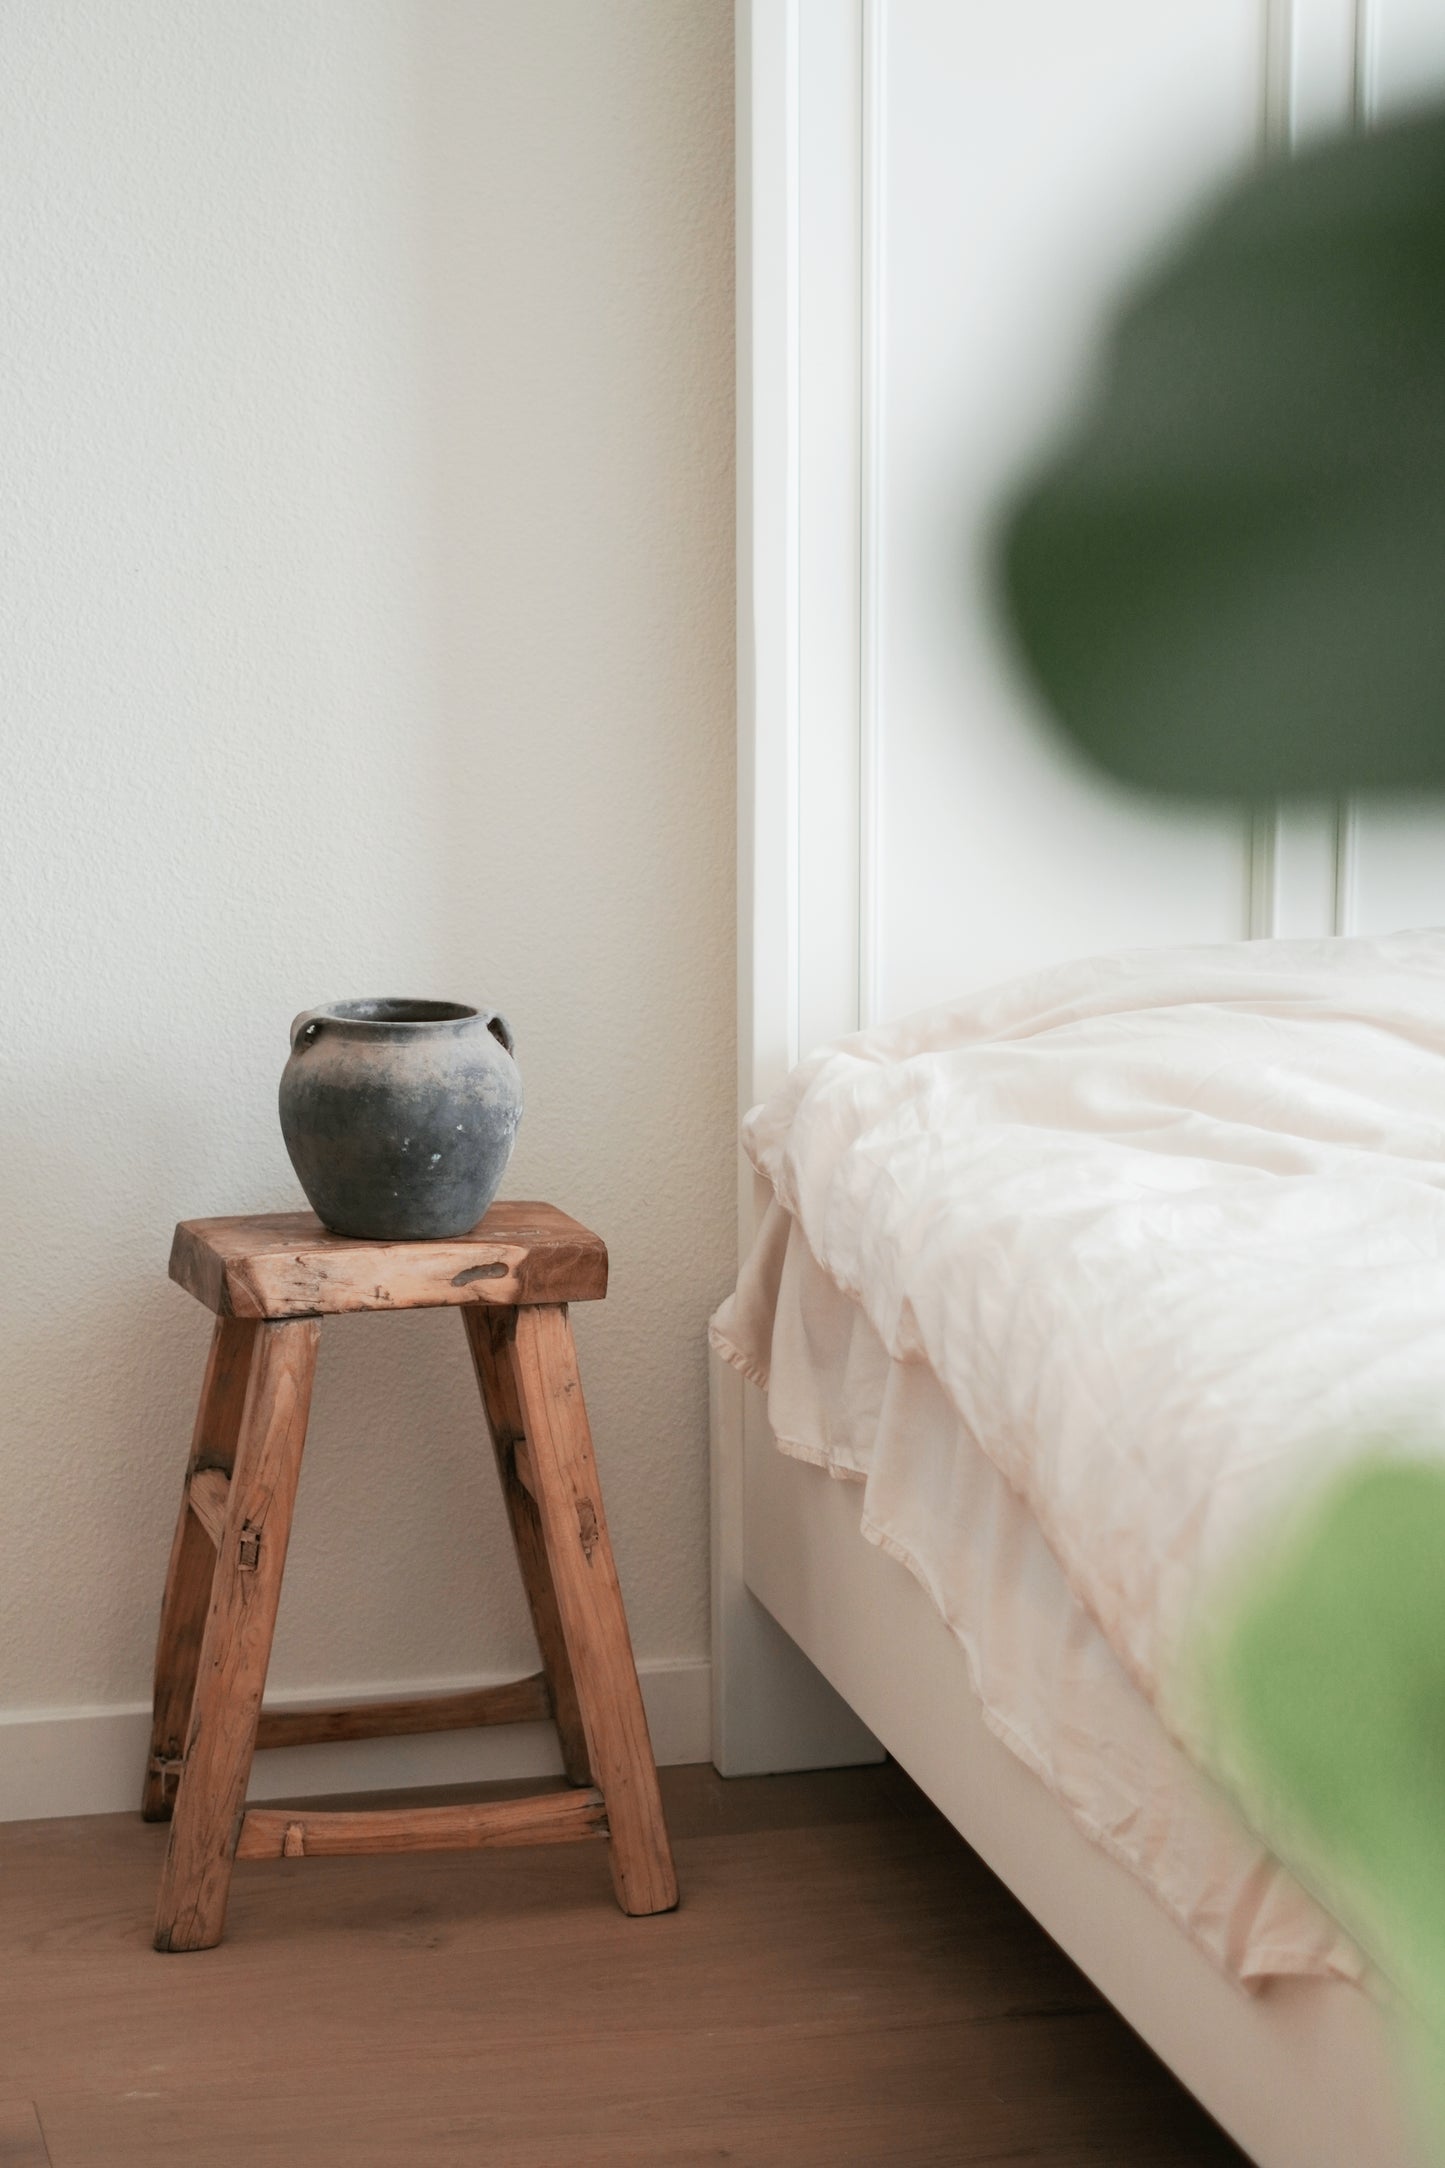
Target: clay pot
(400, 1115)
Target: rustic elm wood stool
(270, 1281)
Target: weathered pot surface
(400, 1116)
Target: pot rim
(394, 1012)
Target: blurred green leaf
(1231, 581)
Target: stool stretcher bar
(296, 1833)
(520, 1701)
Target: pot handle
(306, 1029)
(500, 1030)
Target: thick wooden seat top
(286, 1264)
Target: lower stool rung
(519, 1701)
(546, 1818)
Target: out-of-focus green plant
(1324, 1678)
(1230, 584)
(1230, 580)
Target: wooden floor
(843, 1983)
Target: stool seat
(286, 1264)
(270, 1278)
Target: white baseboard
(90, 1761)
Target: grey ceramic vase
(400, 1115)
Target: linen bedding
(1165, 1235)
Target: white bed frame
(825, 1651)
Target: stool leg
(193, 1563)
(589, 1601)
(489, 1336)
(236, 1646)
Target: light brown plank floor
(843, 1983)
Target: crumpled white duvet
(1168, 1229)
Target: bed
(1059, 1295)
(934, 202)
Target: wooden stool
(270, 1280)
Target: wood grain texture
(187, 1595)
(489, 1337)
(589, 1604)
(236, 1647)
(285, 1264)
(209, 1493)
(22, 2141)
(844, 1985)
(301, 1832)
(520, 1701)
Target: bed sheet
(1050, 1687)
(1166, 1230)
(1169, 1230)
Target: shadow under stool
(270, 1280)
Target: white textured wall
(365, 626)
